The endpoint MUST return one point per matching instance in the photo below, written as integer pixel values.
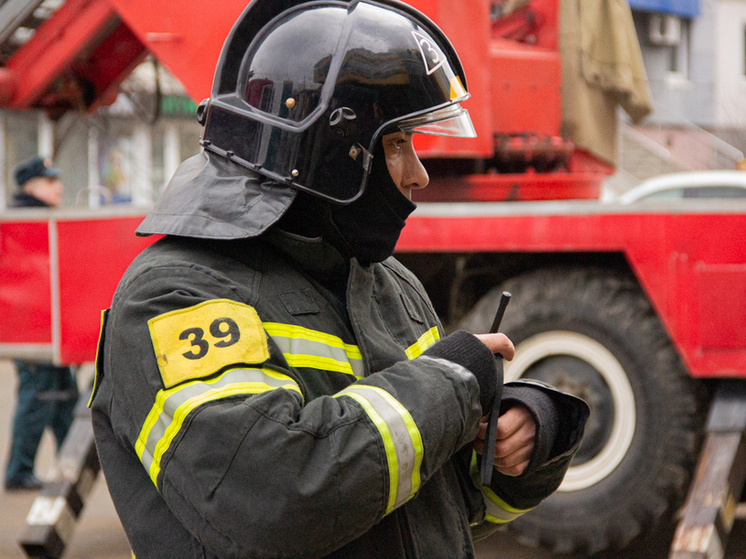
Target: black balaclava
(367, 229)
(371, 225)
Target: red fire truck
(640, 311)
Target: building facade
(695, 58)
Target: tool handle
(501, 306)
(490, 438)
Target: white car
(688, 185)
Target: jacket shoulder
(181, 263)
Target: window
(678, 52)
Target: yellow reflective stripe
(303, 347)
(183, 411)
(388, 445)
(292, 331)
(498, 511)
(98, 365)
(317, 362)
(425, 341)
(172, 407)
(401, 438)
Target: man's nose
(417, 176)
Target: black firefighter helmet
(304, 89)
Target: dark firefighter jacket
(243, 408)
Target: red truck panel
(57, 272)
(93, 255)
(186, 37)
(692, 266)
(526, 89)
(25, 296)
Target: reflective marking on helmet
(432, 56)
(302, 347)
(498, 511)
(457, 88)
(401, 439)
(425, 341)
(173, 406)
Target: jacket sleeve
(248, 466)
(509, 497)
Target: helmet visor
(452, 120)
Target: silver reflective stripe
(498, 511)
(460, 370)
(401, 440)
(303, 347)
(174, 405)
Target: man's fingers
(523, 438)
(498, 343)
(513, 465)
(514, 420)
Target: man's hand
(515, 440)
(515, 428)
(498, 343)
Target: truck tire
(592, 333)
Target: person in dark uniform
(46, 393)
(271, 382)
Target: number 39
(200, 346)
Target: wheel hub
(583, 367)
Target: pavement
(99, 535)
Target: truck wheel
(592, 333)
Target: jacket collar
(25, 200)
(312, 254)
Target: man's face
(47, 189)
(404, 166)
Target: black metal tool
(490, 437)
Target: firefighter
(270, 381)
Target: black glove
(465, 349)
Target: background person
(46, 393)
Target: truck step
(712, 502)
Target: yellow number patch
(198, 341)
